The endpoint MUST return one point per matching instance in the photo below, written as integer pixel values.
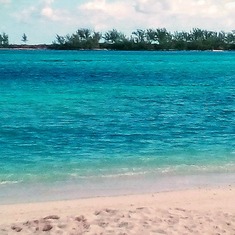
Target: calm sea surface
(78, 116)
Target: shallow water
(76, 115)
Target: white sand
(197, 211)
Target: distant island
(140, 39)
(27, 47)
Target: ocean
(92, 123)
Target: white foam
(9, 182)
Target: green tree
(180, 40)
(163, 38)
(151, 36)
(96, 37)
(1, 39)
(24, 38)
(81, 39)
(4, 40)
(139, 36)
(113, 36)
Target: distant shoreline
(159, 39)
(27, 47)
(49, 47)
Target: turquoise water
(75, 115)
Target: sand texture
(198, 211)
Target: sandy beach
(194, 211)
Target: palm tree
(1, 39)
(113, 36)
(151, 35)
(139, 36)
(96, 37)
(4, 40)
(24, 38)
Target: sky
(41, 20)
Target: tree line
(148, 39)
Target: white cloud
(26, 14)
(48, 12)
(103, 15)
(115, 9)
(48, 1)
(5, 1)
(151, 6)
(65, 16)
(177, 14)
(211, 14)
(43, 11)
(129, 15)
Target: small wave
(182, 169)
(9, 182)
(124, 174)
(52, 60)
(114, 175)
(197, 169)
(60, 60)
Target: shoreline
(48, 48)
(206, 210)
(108, 187)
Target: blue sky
(41, 20)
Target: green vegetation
(82, 39)
(4, 41)
(149, 39)
(24, 38)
